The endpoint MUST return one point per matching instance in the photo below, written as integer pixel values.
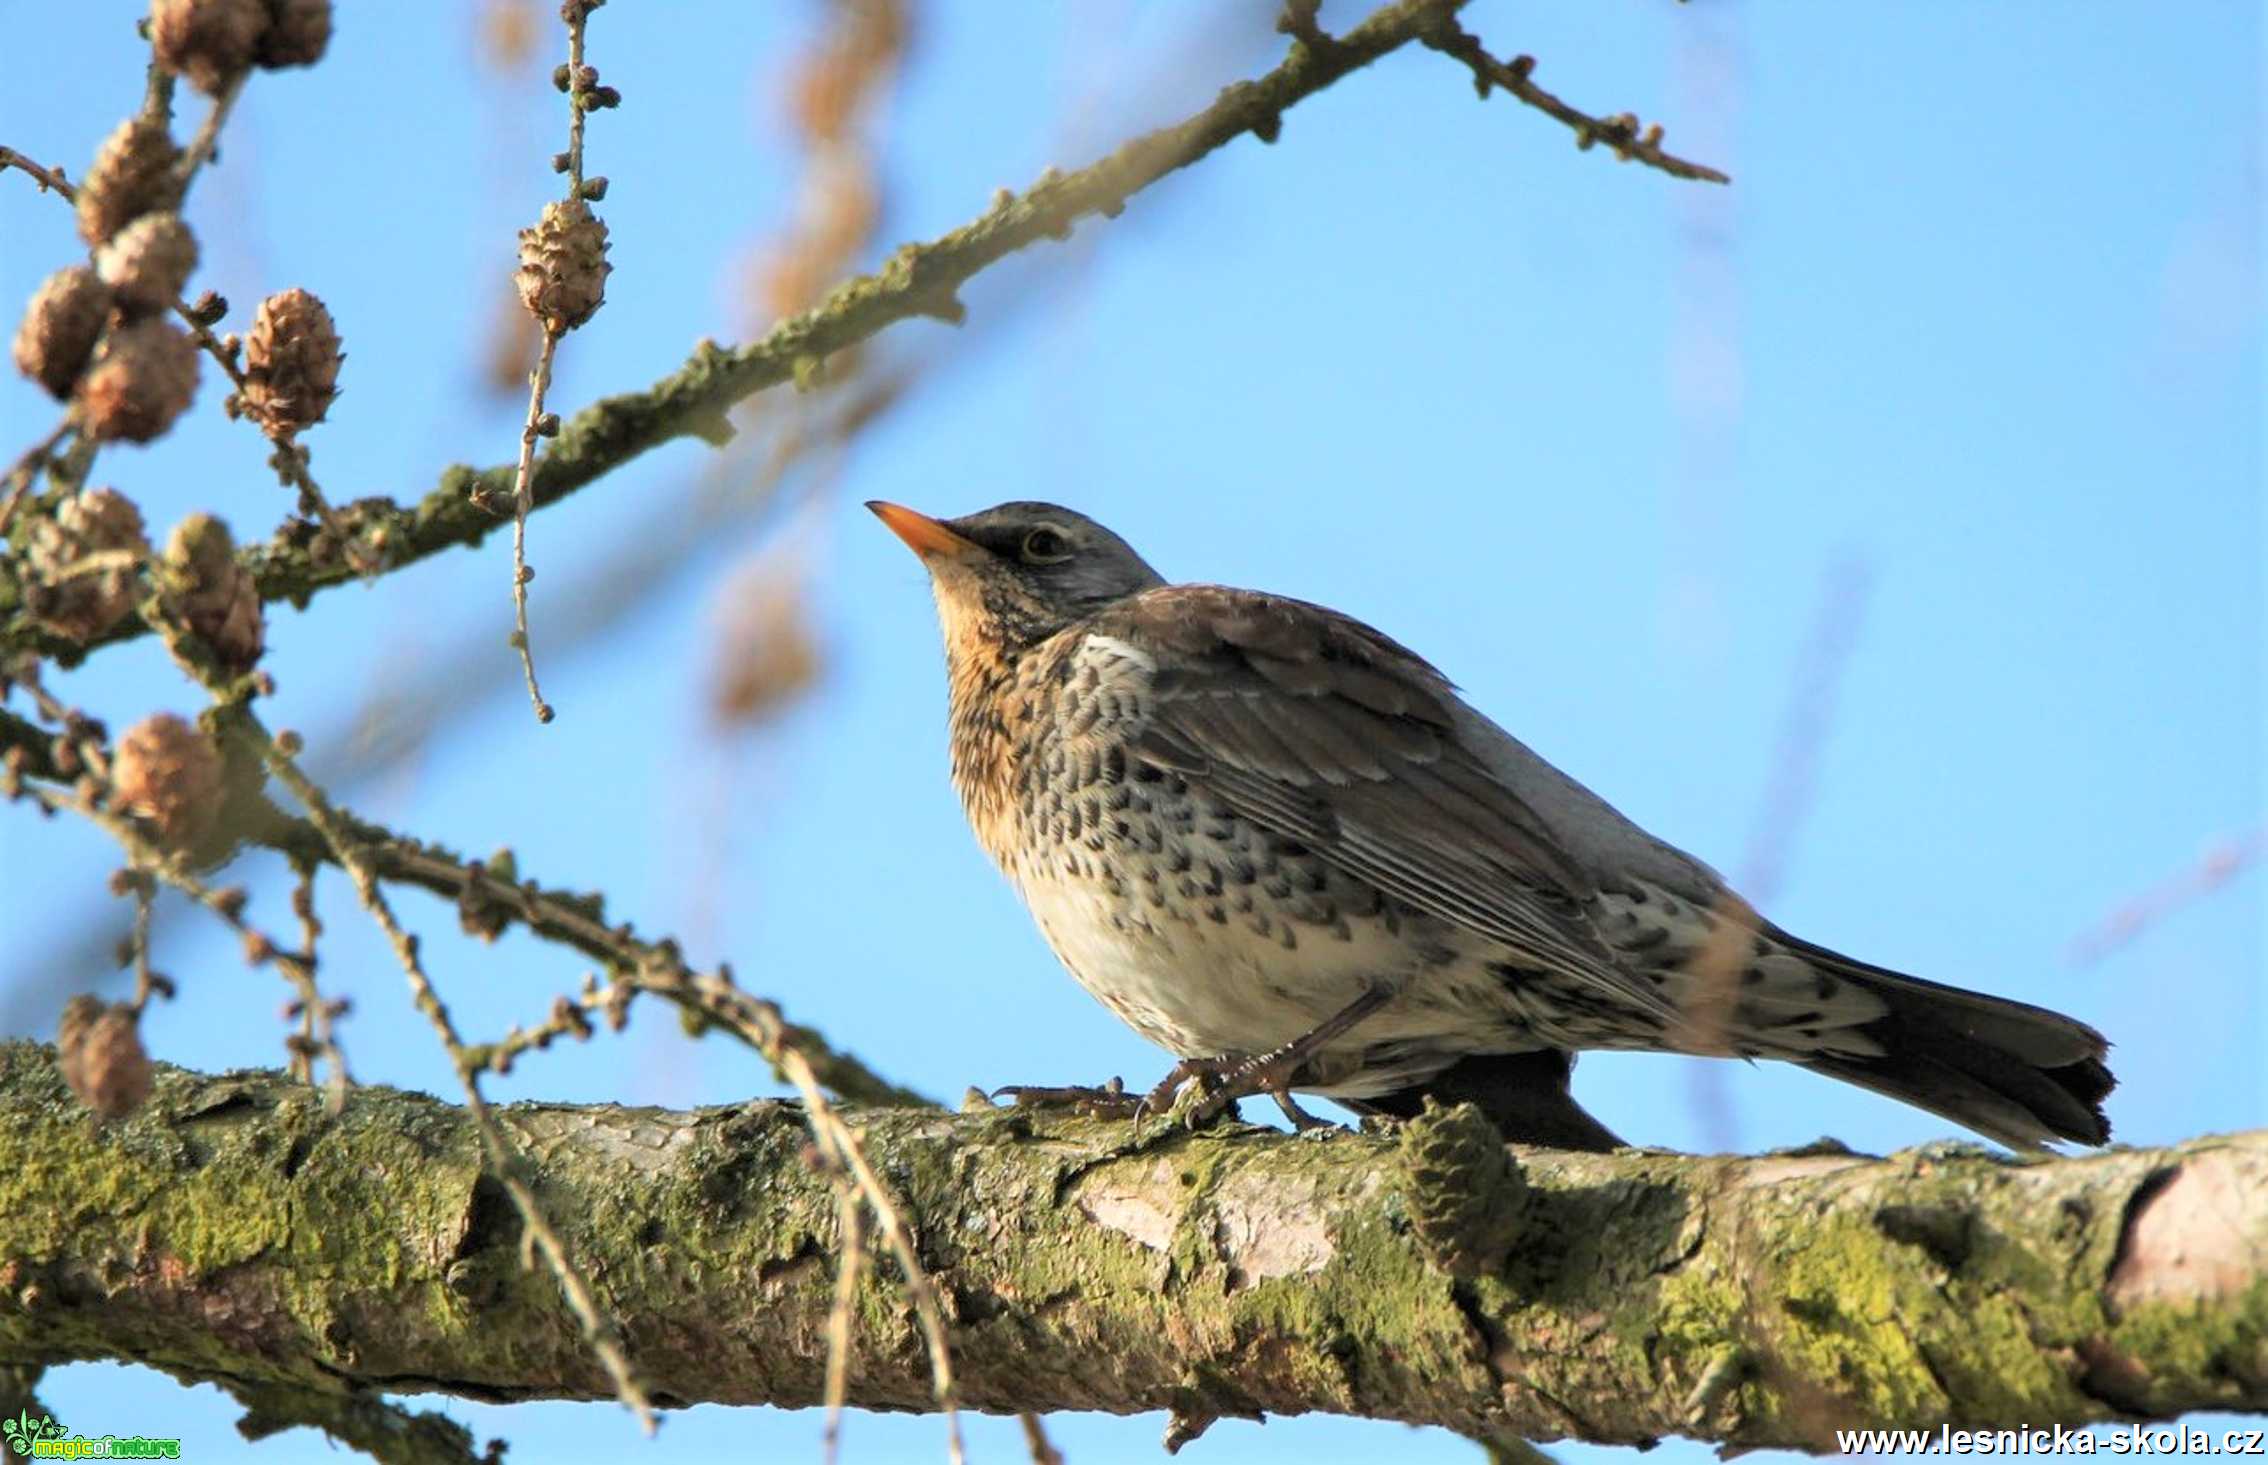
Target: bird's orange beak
(922, 534)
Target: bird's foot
(1215, 1084)
(1194, 1094)
(1201, 1090)
(1193, 1104)
(1096, 1101)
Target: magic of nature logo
(46, 1439)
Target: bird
(1281, 846)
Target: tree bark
(235, 1231)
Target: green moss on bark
(236, 1230)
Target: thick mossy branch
(919, 280)
(234, 1231)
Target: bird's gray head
(1018, 573)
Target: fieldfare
(1281, 847)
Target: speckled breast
(1204, 932)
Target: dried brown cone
(60, 327)
(768, 656)
(507, 32)
(211, 42)
(212, 592)
(563, 268)
(167, 774)
(62, 594)
(147, 263)
(298, 33)
(144, 377)
(102, 1057)
(132, 175)
(291, 364)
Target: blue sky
(1971, 349)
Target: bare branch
(491, 893)
(1621, 133)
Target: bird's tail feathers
(2021, 1074)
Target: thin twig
(73, 728)
(851, 1210)
(317, 1015)
(570, 1018)
(1622, 134)
(523, 503)
(504, 1160)
(77, 465)
(24, 472)
(146, 861)
(576, 14)
(201, 146)
(226, 902)
(578, 921)
(145, 980)
(157, 93)
(99, 561)
(50, 179)
(929, 1311)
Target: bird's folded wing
(1324, 731)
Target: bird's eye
(1044, 546)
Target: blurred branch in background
(1706, 380)
(764, 652)
(1806, 722)
(2219, 866)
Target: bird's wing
(1324, 731)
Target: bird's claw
(1199, 1102)
(1202, 1090)
(1096, 1101)
(1194, 1095)
(1303, 1124)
